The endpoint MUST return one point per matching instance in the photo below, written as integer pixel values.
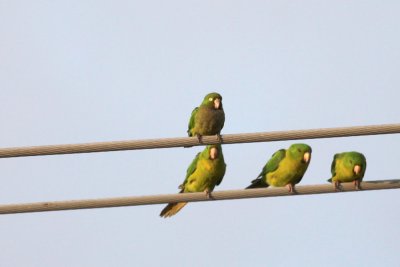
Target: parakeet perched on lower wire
(348, 167)
(208, 118)
(204, 173)
(285, 168)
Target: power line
(192, 141)
(191, 197)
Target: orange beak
(217, 103)
(306, 157)
(213, 153)
(357, 169)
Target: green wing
(191, 169)
(364, 160)
(222, 174)
(272, 164)
(333, 166)
(191, 121)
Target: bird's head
(214, 151)
(213, 100)
(357, 162)
(301, 152)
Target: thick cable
(192, 197)
(192, 141)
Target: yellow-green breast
(290, 171)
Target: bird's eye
(351, 162)
(210, 99)
(299, 150)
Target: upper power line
(192, 141)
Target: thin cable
(192, 141)
(191, 197)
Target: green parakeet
(208, 118)
(285, 168)
(348, 167)
(204, 173)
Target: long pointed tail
(257, 183)
(171, 209)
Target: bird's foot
(337, 186)
(291, 189)
(208, 193)
(219, 138)
(357, 184)
(199, 138)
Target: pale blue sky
(86, 71)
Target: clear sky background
(87, 71)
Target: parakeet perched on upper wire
(204, 173)
(285, 168)
(208, 118)
(348, 167)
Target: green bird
(204, 173)
(286, 167)
(208, 118)
(348, 167)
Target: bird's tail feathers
(330, 180)
(171, 209)
(257, 183)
